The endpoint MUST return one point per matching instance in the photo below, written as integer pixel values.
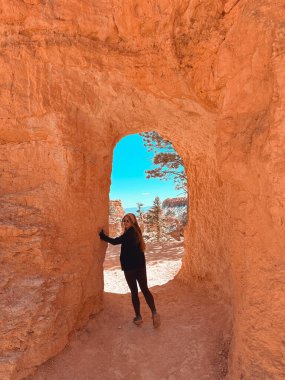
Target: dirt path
(191, 343)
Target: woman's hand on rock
(101, 233)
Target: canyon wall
(79, 75)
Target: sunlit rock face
(78, 76)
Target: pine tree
(139, 210)
(169, 163)
(155, 217)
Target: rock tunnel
(77, 77)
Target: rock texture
(79, 75)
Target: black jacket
(131, 256)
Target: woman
(133, 264)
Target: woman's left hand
(101, 233)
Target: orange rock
(78, 76)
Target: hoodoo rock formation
(209, 75)
(116, 213)
(176, 207)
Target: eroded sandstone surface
(76, 76)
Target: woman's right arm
(113, 241)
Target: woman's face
(127, 222)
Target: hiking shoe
(156, 320)
(138, 321)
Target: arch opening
(148, 180)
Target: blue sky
(128, 181)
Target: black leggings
(139, 275)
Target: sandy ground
(191, 343)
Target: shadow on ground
(192, 342)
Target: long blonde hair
(134, 223)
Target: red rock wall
(78, 76)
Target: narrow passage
(192, 342)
